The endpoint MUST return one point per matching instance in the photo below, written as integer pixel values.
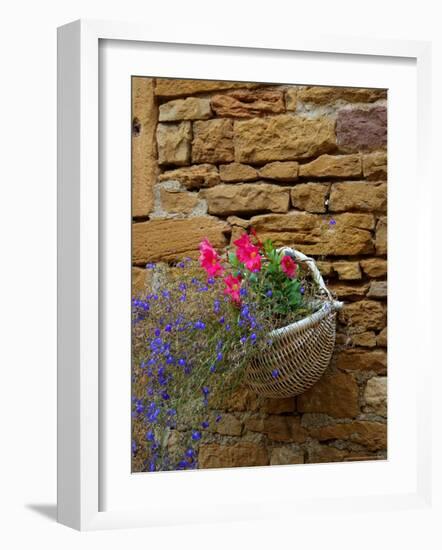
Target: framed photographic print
(223, 260)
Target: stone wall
(307, 167)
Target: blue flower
(150, 436)
(205, 424)
(150, 266)
(211, 281)
(275, 373)
(182, 286)
(196, 435)
(182, 362)
(243, 339)
(200, 325)
(168, 328)
(205, 390)
(302, 290)
(212, 368)
(165, 395)
(253, 337)
(332, 222)
(134, 447)
(152, 466)
(190, 453)
(181, 264)
(216, 306)
(269, 294)
(221, 320)
(218, 418)
(219, 357)
(157, 332)
(243, 292)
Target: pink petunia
(288, 266)
(209, 259)
(247, 253)
(233, 286)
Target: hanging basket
(300, 352)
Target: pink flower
(233, 286)
(247, 253)
(209, 259)
(288, 266)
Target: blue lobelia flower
(196, 435)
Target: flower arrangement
(195, 333)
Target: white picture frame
(79, 276)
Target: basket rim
(327, 308)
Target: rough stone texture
(280, 171)
(347, 271)
(191, 108)
(283, 137)
(326, 268)
(291, 99)
(374, 165)
(361, 130)
(177, 87)
(323, 453)
(248, 103)
(178, 201)
(236, 172)
(381, 236)
(228, 425)
(151, 240)
(364, 315)
(372, 435)
(174, 143)
(141, 280)
(364, 339)
(313, 234)
(285, 455)
(349, 291)
(310, 197)
(248, 198)
(336, 166)
(193, 177)
(241, 400)
(324, 94)
(362, 359)
(361, 196)
(376, 395)
(278, 406)
(278, 428)
(374, 267)
(144, 161)
(378, 289)
(244, 453)
(335, 394)
(213, 141)
(382, 340)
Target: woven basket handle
(300, 257)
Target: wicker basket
(300, 352)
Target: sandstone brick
(335, 394)
(374, 267)
(248, 103)
(277, 406)
(375, 395)
(228, 425)
(378, 289)
(241, 400)
(178, 201)
(144, 162)
(361, 130)
(291, 99)
(244, 453)
(362, 359)
(282, 137)
(247, 198)
(364, 315)
(141, 280)
(326, 268)
(313, 234)
(372, 435)
(381, 236)
(364, 339)
(285, 455)
(362, 196)
(213, 141)
(193, 177)
(170, 240)
(191, 108)
(374, 165)
(280, 171)
(278, 428)
(349, 291)
(324, 453)
(236, 171)
(310, 197)
(347, 271)
(177, 87)
(337, 166)
(322, 95)
(381, 339)
(174, 143)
